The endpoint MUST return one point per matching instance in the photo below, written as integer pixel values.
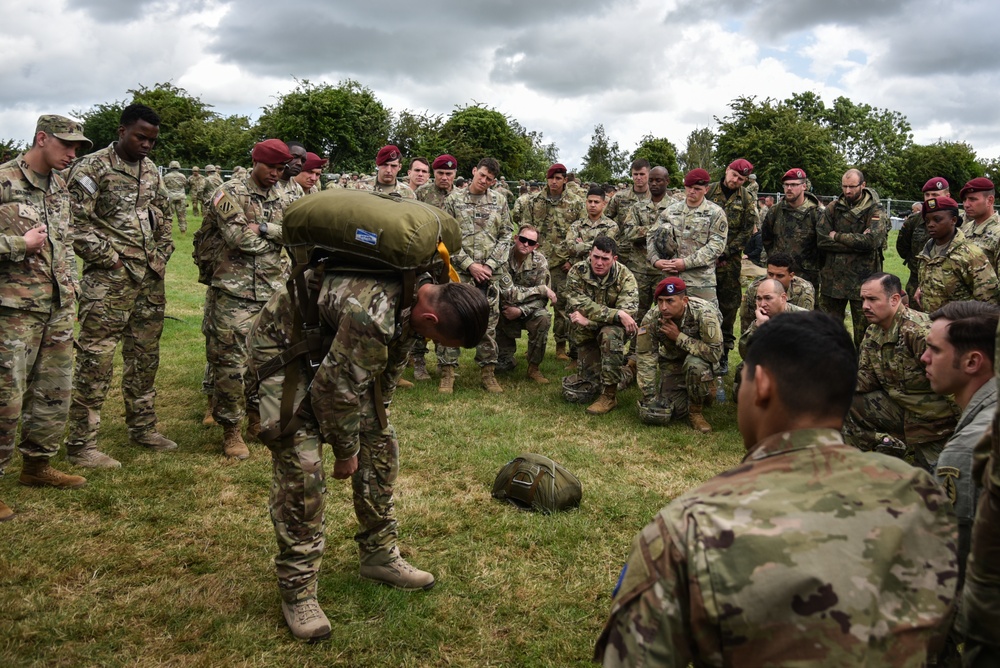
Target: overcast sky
(638, 66)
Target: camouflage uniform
(508, 195)
(910, 241)
(961, 273)
(985, 235)
(685, 365)
(369, 343)
(195, 185)
(854, 254)
(176, 184)
(37, 311)
(893, 394)
(288, 191)
(552, 218)
(487, 234)
(696, 235)
(749, 569)
(793, 231)
(622, 201)
(524, 287)
(431, 194)
(639, 219)
(800, 293)
(212, 182)
(741, 217)
(601, 344)
(118, 215)
(581, 235)
(249, 271)
(400, 188)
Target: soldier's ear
(764, 387)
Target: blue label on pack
(366, 237)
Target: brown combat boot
(489, 379)
(5, 512)
(447, 383)
(403, 383)
(36, 472)
(561, 352)
(698, 420)
(253, 425)
(232, 443)
(420, 369)
(606, 402)
(152, 440)
(536, 375)
(209, 419)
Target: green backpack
(535, 482)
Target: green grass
(167, 561)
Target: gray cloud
(126, 11)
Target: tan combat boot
(698, 420)
(606, 402)
(404, 384)
(306, 619)
(561, 352)
(447, 383)
(152, 440)
(253, 425)
(91, 458)
(209, 419)
(36, 472)
(489, 379)
(536, 375)
(232, 443)
(5, 512)
(420, 369)
(391, 569)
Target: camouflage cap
(62, 128)
(195, 168)
(174, 165)
(210, 168)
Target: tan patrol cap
(62, 128)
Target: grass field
(167, 561)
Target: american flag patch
(87, 183)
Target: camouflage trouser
(208, 379)
(684, 384)
(560, 321)
(837, 308)
(874, 414)
(36, 378)
(178, 207)
(486, 351)
(508, 331)
(706, 292)
(600, 352)
(911, 288)
(226, 331)
(114, 308)
(647, 285)
(196, 205)
(730, 294)
(811, 276)
(298, 488)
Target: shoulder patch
(949, 476)
(87, 183)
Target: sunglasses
(526, 241)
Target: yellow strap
(443, 252)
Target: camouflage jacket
(701, 336)
(369, 341)
(431, 194)
(855, 252)
(403, 190)
(599, 298)
(196, 184)
(954, 464)
(212, 183)
(632, 241)
(911, 240)
(487, 231)
(552, 219)
(175, 183)
(696, 235)
(48, 278)
(963, 272)
(288, 191)
(525, 286)
(741, 216)
(800, 293)
(748, 332)
(118, 214)
(250, 267)
(890, 361)
(749, 569)
(622, 201)
(985, 235)
(581, 235)
(508, 195)
(793, 231)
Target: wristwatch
(263, 229)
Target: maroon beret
(313, 161)
(557, 168)
(794, 174)
(387, 154)
(935, 183)
(669, 286)
(445, 162)
(741, 166)
(697, 177)
(271, 152)
(976, 185)
(939, 204)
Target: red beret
(976, 185)
(939, 204)
(445, 162)
(557, 168)
(387, 154)
(935, 183)
(669, 286)
(741, 166)
(271, 152)
(794, 174)
(313, 161)
(697, 177)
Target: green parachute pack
(535, 482)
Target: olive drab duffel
(535, 482)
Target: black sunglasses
(526, 241)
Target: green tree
(225, 141)
(700, 152)
(10, 148)
(604, 160)
(955, 161)
(346, 123)
(100, 123)
(659, 151)
(418, 134)
(538, 158)
(181, 118)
